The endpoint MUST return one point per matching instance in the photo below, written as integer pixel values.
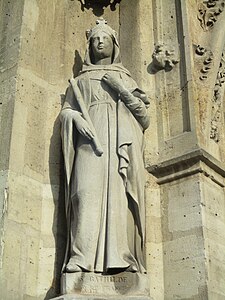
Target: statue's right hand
(80, 123)
(84, 128)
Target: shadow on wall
(59, 221)
(78, 63)
(59, 229)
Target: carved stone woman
(105, 192)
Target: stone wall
(190, 164)
(42, 46)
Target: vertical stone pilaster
(10, 32)
(190, 167)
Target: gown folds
(105, 194)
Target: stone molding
(197, 161)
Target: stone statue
(103, 120)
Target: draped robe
(105, 194)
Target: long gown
(106, 193)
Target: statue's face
(101, 45)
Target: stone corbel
(163, 58)
(208, 12)
(196, 161)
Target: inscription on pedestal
(111, 285)
(104, 284)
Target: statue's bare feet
(72, 267)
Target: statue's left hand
(113, 82)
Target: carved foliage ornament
(164, 58)
(208, 12)
(207, 56)
(217, 102)
(102, 3)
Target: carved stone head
(102, 43)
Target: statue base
(91, 286)
(74, 297)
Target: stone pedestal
(96, 286)
(74, 297)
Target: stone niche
(175, 52)
(42, 46)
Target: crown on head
(101, 21)
(101, 25)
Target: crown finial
(101, 25)
(101, 21)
